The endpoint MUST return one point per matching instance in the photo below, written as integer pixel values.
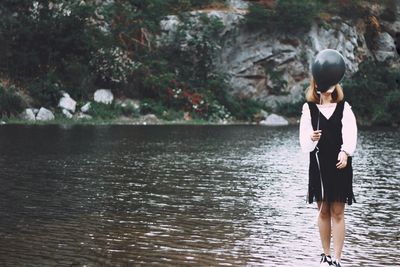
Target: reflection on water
(184, 195)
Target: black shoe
(336, 263)
(326, 260)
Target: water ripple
(184, 195)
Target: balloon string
(316, 156)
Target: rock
(35, 111)
(66, 102)
(44, 115)
(28, 114)
(2, 122)
(104, 96)
(274, 120)
(386, 47)
(149, 119)
(67, 113)
(238, 4)
(85, 108)
(82, 116)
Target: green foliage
(191, 54)
(374, 93)
(289, 16)
(294, 16)
(104, 111)
(277, 80)
(40, 36)
(11, 102)
(291, 109)
(152, 106)
(258, 17)
(46, 90)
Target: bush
(104, 111)
(152, 106)
(288, 16)
(373, 92)
(294, 16)
(46, 90)
(11, 102)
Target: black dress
(337, 183)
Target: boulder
(28, 114)
(149, 119)
(66, 102)
(274, 120)
(67, 113)
(44, 115)
(104, 96)
(85, 108)
(386, 47)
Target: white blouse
(349, 129)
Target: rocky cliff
(256, 60)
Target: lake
(189, 195)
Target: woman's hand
(342, 158)
(316, 135)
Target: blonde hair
(312, 96)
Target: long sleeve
(349, 130)
(306, 129)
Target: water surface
(184, 195)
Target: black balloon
(328, 69)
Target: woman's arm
(349, 130)
(306, 130)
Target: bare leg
(338, 228)
(324, 225)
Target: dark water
(184, 195)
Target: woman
(328, 131)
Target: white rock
(44, 115)
(82, 116)
(103, 96)
(274, 120)
(66, 102)
(35, 111)
(85, 108)
(28, 114)
(2, 122)
(149, 119)
(67, 113)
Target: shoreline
(133, 121)
(292, 121)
